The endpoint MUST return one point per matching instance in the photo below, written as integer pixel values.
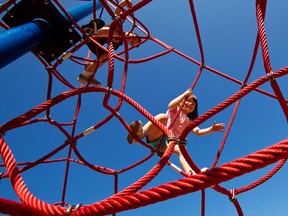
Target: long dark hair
(194, 115)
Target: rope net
(70, 152)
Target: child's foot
(136, 128)
(204, 169)
(191, 172)
(85, 79)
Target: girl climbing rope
(177, 118)
(98, 27)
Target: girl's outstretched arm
(206, 131)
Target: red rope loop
(132, 197)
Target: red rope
(130, 197)
(211, 177)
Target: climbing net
(73, 148)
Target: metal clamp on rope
(233, 198)
(47, 118)
(117, 114)
(70, 208)
(118, 19)
(108, 90)
(78, 206)
(88, 131)
(244, 85)
(271, 76)
(49, 68)
(72, 142)
(178, 140)
(66, 55)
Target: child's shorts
(155, 143)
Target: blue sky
(228, 31)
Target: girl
(102, 55)
(188, 113)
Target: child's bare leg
(152, 131)
(95, 65)
(186, 167)
(90, 69)
(84, 77)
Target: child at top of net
(101, 54)
(188, 113)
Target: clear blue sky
(228, 30)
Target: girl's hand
(217, 127)
(187, 93)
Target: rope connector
(48, 68)
(118, 19)
(79, 205)
(178, 140)
(47, 118)
(108, 90)
(244, 85)
(71, 207)
(72, 142)
(117, 114)
(271, 76)
(66, 55)
(233, 198)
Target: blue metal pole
(19, 40)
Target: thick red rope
(132, 197)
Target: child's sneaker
(84, 79)
(204, 169)
(137, 129)
(191, 172)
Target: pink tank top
(180, 123)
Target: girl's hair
(194, 115)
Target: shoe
(85, 79)
(137, 129)
(204, 169)
(191, 172)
